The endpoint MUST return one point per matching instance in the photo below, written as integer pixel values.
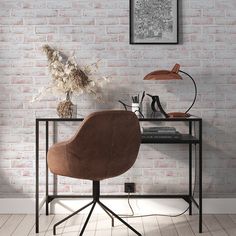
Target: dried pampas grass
(70, 78)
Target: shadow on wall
(13, 177)
(10, 187)
(114, 94)
(124, 94)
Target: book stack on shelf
(160, 132)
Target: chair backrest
(105, 146)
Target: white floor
(100, 225)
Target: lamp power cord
(132, 215)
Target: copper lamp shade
(170, 75)
(164, 74)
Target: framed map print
(154, 22)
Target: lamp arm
(195, 89)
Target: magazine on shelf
(164, 130)
(160, 132)
(176, 135)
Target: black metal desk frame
(188, 139)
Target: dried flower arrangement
(69, 78)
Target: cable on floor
(149, 215)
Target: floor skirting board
(120, 206)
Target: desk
(191, 138)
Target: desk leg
(190, 171)
(37, 177)
(55, 131)
(47, 202)
(190, 179)
(200, 176)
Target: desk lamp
(171, 75)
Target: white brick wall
(99, 29)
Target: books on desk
(160, 132)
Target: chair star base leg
(66, 218)
(119, 218)
(112, 218)
(87, 220)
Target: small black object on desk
(156, 101)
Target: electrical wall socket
(129, 187)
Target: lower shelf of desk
(187, 198)
(184, 138)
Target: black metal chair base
(110, 213)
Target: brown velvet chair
(105, 146)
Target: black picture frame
(133, 40)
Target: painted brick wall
(99, 29)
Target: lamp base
(178, 115)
